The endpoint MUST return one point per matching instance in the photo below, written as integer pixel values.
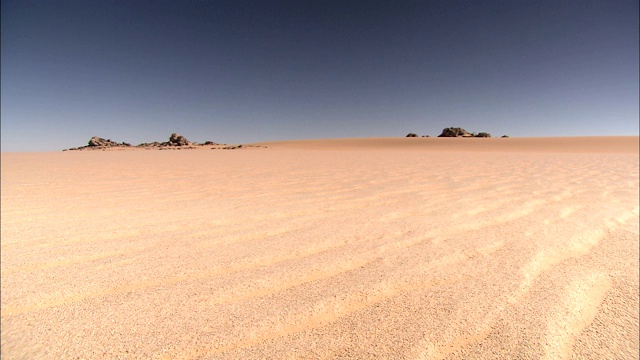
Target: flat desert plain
(392, 248)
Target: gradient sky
(244, 71)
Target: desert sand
(395, 248)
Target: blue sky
(245, 71)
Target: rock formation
(412, 135)
(97, 143)
(174, 140)
(178, 140)
(455, 132)
(100, 142)
(460, 132)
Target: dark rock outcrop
(150, 145)
(455, 132)
(100, 142)
(505, 136)
(483, 135)
(412, 135)
(97, 143)
(175, 140)
(178, 140)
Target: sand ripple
(336, 252)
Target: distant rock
(412, 135)
(97, 141)
(505, 136)
(175, 140)
(150, 145)
(455, 132)
(100, 142)
(483, 135)
(425, 136)
(178, 140)
(460, 132)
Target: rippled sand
(401, 248)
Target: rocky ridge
(460, 132)
(175, 142)
(457, 132)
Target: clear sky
(244, 71)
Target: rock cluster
(456, 132)
(100, 143)
(460, 132)
(176, 142)
(151, 144)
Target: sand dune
(397, 248)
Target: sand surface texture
(403, 248)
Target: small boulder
(412, 135)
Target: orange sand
(406, 248)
